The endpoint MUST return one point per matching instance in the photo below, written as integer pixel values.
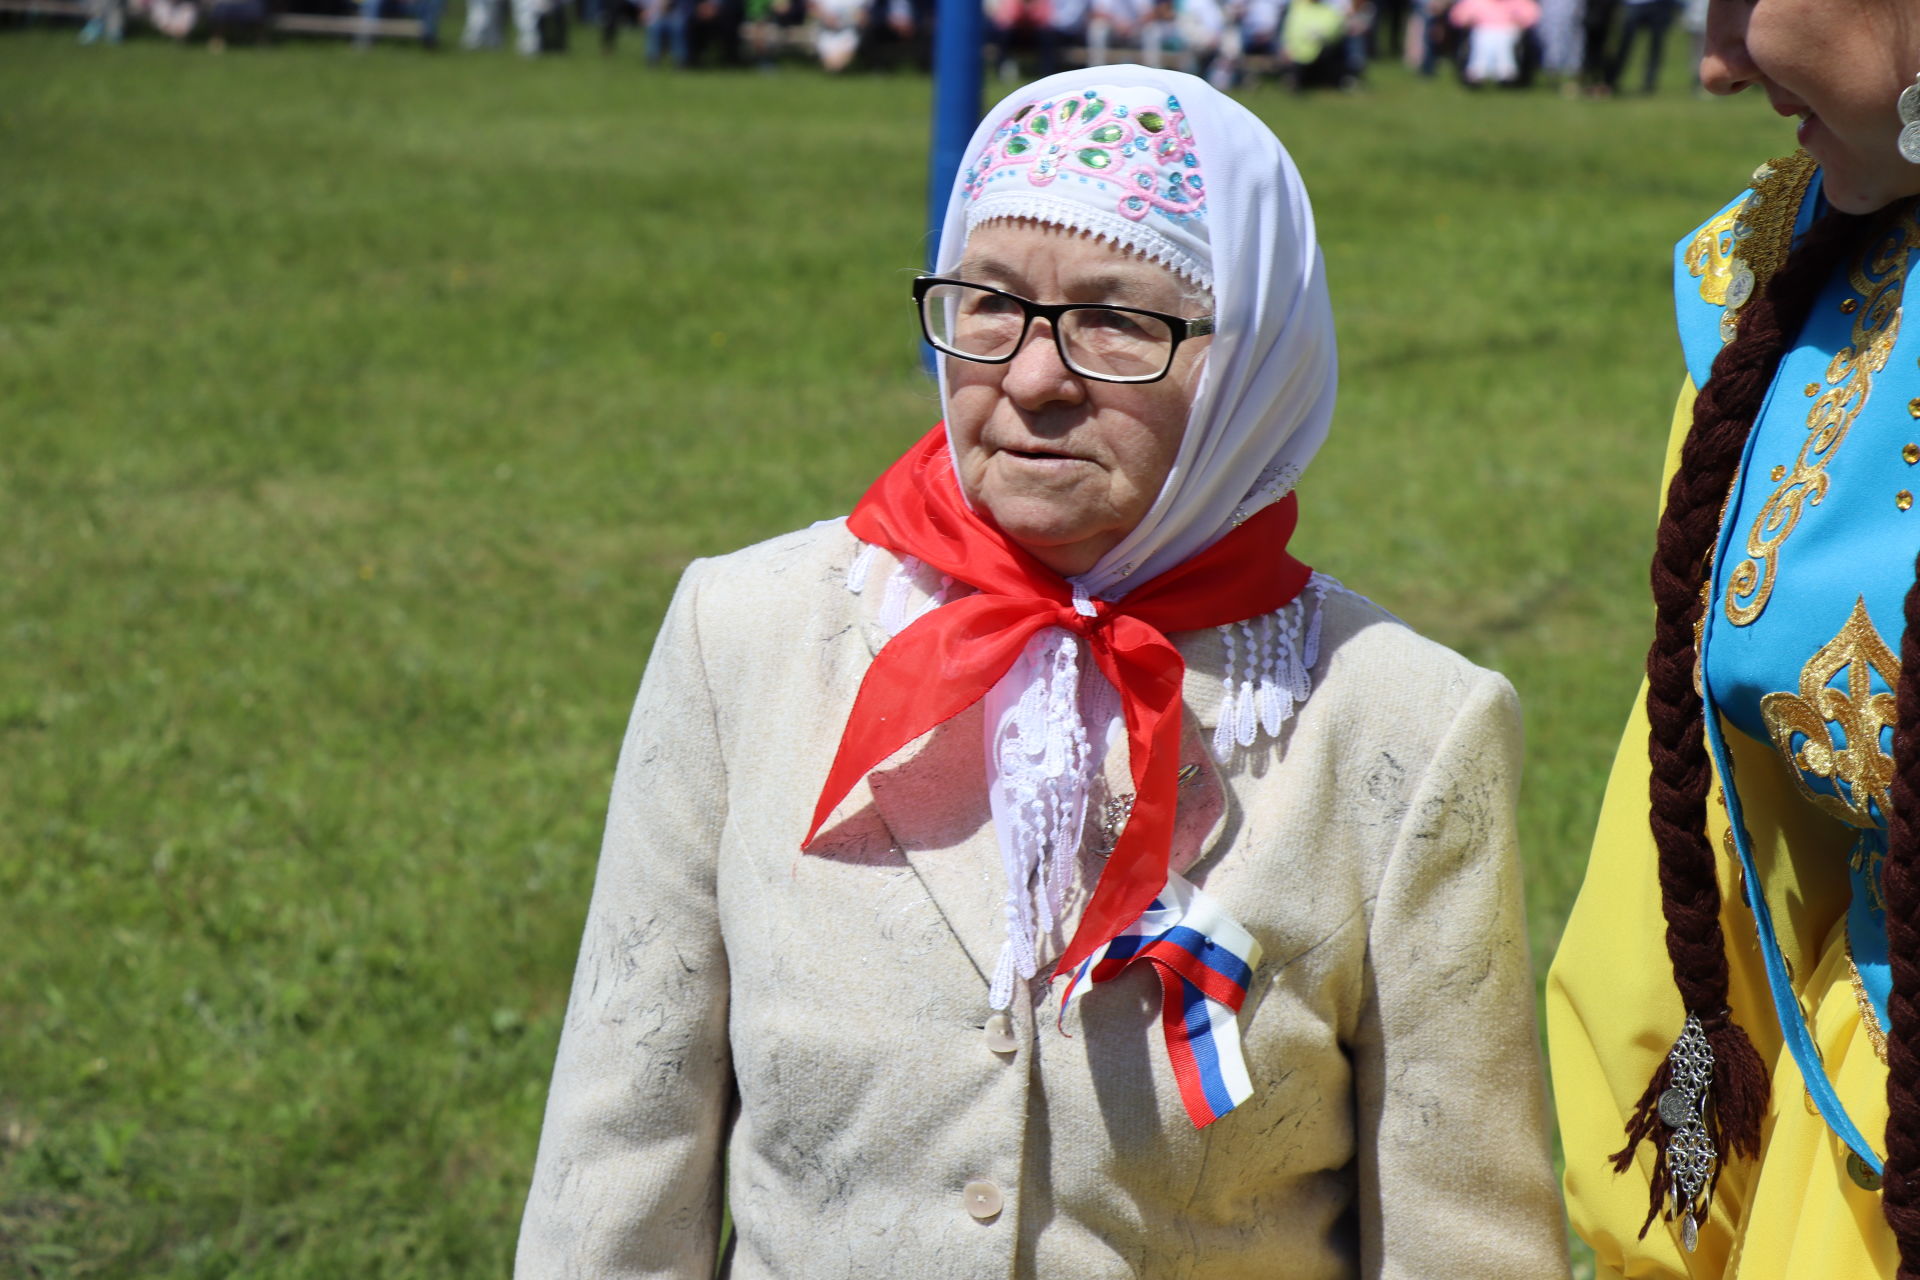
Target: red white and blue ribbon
(1205, 961)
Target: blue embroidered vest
(1800, 644)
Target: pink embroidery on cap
(1143, 153)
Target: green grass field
(356, 416)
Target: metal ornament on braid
(1689, 1156)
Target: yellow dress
(1613, 1013)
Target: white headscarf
(1262, 405)
(1265, 396)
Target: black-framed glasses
(1106, 343)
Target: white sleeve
(1455, 1176)
(628, 1180)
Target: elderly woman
(1735, 1041)
(1040, 872)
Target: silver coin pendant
(1740, 287)
(1910, 103)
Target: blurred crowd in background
(1597, 47)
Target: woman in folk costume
(1732, 1011)
(1040, 872)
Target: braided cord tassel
(1732, 1106)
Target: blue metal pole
(959, 32)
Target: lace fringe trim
(1111, 227)
(897, 610)
(861, 566)
(1044, 765)
(1269, 668)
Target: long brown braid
(1723, 414)
(1900, 1193)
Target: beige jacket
(801, 1036)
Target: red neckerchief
(950, 657)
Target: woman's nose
(1725, 66)
(1037, 375)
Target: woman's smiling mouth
(1043, 455)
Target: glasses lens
(971, 321)
(1116, 344)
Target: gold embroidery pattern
(1877, 275)
(1710, 258)
(1869, 1020)
(1859, 713)
(1734, 258)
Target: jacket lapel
(933, 799)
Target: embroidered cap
(1116, 163)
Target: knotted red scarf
(950, 657)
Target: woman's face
(1838, 66)
(1066, 465)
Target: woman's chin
(1861, 200)
(1066, 558)
(1851, 184)
(1063, 544)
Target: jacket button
(999, 1033)
(1862, 1173)
(984, 1200)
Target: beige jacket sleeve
(628, 1179)
(1446, 1055)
